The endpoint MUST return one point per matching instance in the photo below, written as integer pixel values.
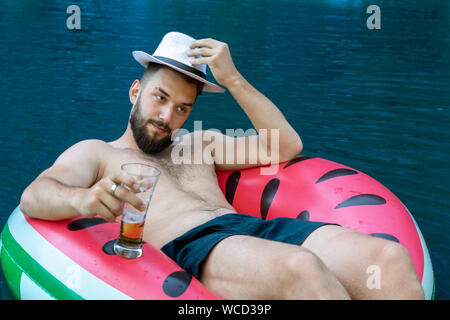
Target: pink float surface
(316, 189)
(305, 188)
(153, 276)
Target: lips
(158, 128)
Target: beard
(149, 144)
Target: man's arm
(69, 188)
(50, 196)
(263, 114)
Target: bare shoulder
(91, 145)
(85, 149)
(91, 152)
(80, 164)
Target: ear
(134, 91)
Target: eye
(182, 109)
(160, 98)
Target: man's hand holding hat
(217, 56)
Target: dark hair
(154, 67)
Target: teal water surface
(375, 100)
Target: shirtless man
(328, 262)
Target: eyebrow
(168, 95)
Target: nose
(165, 114)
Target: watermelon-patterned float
(73, 259)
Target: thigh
(347, 254)
(242, 267)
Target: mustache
(160, 124)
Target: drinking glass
(129, 244)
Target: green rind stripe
(55, 262)
(432, 295)
(11, 272)
(14, 275)
(35, 271)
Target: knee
(304, 265)
(306, 276)
(400, 272)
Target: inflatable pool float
(73, 259)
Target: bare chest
(186, 176)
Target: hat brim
(144, 58)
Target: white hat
(172, 52)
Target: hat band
(182, 66)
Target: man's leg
(245, 267)
(353, 257)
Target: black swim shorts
(192, 248)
